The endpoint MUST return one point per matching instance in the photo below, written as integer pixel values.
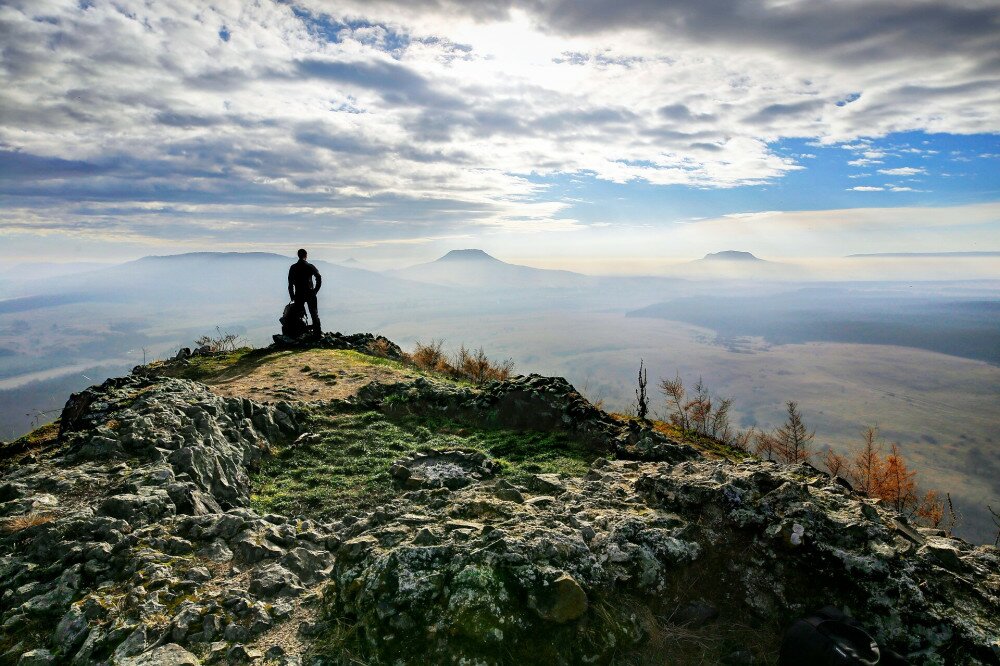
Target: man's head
(303, 254)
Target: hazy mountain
(731, 256)
(475, 268)
(219, 277)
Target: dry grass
(468, 364)
(19, 523)
(381, 347)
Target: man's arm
(319, 279)
(291, 292)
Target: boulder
(139, 508)
(36, 657)
(170, 654)
(272, 580)
(561, 600)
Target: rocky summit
(329, 503)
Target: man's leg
(314, 314)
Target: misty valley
(920, 359)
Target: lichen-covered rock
(765, 544)
(143, 496)
(448, 469)
(136, 543)
(170, 654)
(530, 402)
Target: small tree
(931, 509)
(835, 463)
(699, 408)
(642, 400)
(868, 470)
(898, 486)
(996, 523)
(793, 438)
(673, 390)
(765, 445)
(744, 439)
(718, 421)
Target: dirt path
(310, 376)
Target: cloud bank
(375, 122)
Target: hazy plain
(944, 409)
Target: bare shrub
(501, 370)
(473, 365)
(428, 356)
(743, 440)
(223, 341)
(698, 413)
(675, 393)
(381, 347)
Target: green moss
(41, 441)
(217, 366)
(348, 468)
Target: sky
(569, 132)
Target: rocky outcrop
(134, 540)
(132, 535)
(366, 343)
(479, 573)
(530, 402)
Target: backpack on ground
(293, 320)
(829, 637)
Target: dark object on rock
(829, 637)
(293, 321)
(182, 353)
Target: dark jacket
(300, 279)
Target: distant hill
(475, 268)
(922, 255)
(197, 279)
(731, 255)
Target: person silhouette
(301, 289)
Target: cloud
(390, 119)
(903, 171)
(866, 188)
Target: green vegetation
(39, 442)
(348, 467)
(217, 366)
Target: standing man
(301, 289)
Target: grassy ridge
(347, 469)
